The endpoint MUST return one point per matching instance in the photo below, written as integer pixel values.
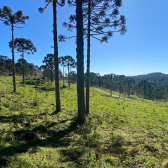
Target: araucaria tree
(49, 60)
(99, 17)
(56, 58)
(62, 62)
(24, 46)
(12, 20)
(70, 63)
(80, 62)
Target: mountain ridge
(161, 79)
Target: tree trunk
(13, 60)
(129, 89)
(56, 61)
(144, 89)
(111, 90)
(80, 63)
(63, 75)
(23, 65)
(51, 75)
(88, 61)
(68, 77)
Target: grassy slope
(117, 133)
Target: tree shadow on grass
(17, 118)
(46, 89)
(20, 118)
(30, 82)
(118, 144)
(63, 87)
(13, 118)
(73, 155)
(28, 139)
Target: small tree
(49, 60)
(130, 82)
(12, 20)
(31, 68)
(70, 63)
(24, 46)
(62, 62)
(9, 65)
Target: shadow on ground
(27, 138)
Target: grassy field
(117, 132)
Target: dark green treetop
(23, 45)
(49, 60)
(8, 18)
(101, 19)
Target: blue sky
(143, 49)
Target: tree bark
(80, 63)
(51, 75)
(13, 61)
(56, 61)
(23, 65)
(63, 75)
(68, 77)
(129, 89)
(88, 61)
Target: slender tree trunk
(80, 62)
(88, 61)
(68, 77)
(23, 65)
(128, 88)
(13, 60)
(63, 75)
(144, 89)
(56, 59)
(51, 75)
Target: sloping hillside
(159, 78)
(117, 132)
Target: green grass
(124, 95)
(117, 132)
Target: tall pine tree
(12, 20)
(23, 45)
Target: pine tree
(70, 63)
(96, 13)
(24, 46)
(56, 58)
(49, 60)
(12, 20)
(80, 62)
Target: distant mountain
(159, 78)
(151, 75)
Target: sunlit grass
(117, 132)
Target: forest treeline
(141, 86)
